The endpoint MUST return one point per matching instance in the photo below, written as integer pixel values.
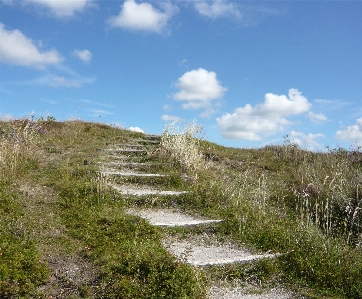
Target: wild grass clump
(327, 192)
(182, 146)
(18, 146)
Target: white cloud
(167, 107)
(6, 117)
(57, 81)
(351, 133)
(62, 81)
(167, 117)
(100, 112)
(217, 9)
(307, 141)
(317, 118)
(16, 48)
(198, 88)
(142, 16)
(84, 55)
(264, 119)
(135, 129)
(62, 8)
(7, 2)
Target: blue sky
(250, 72)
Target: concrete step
(241, 293)
(127, 151)
(129, 146)
(168, 217)
(130, 174)
(148, 141)
(208, 255)
(144, 191)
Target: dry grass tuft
(17, 146)
(182, 145)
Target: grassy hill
(64, 232)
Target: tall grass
(17, 146)
(181, 145)
(20, 268)
(327, 192)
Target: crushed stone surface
(205, 254)
(167, 217)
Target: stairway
(130, 174)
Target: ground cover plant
(64, 232)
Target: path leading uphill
(130, 173)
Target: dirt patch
(70, 275)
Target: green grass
(53, 202)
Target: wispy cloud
(99, 112)
(317, 118)
(143, 16)
(61, 8)
(252, 123)
(243, 12)
(84, 55)
(61, 81)
(95, 103)
(167, 117)
(17, 49)
(6, 117)
(217, 9)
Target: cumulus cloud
(135, 129)
(308, 141)
(317, 118)
(167, 117)
(62, 8)
(264, 119)
(84, 55)
(198, 88)
(143, 16)
(351, 134)
(16, 48)
(217, 9)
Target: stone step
(129, 146)
(129, 164)
(135, 174)
(153, 137)
(127, 151)
(167, 217)
(241, 293)
(142, 191)
(208, 255)
(147, 141)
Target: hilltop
(67, 230)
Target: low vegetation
(58, 215)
